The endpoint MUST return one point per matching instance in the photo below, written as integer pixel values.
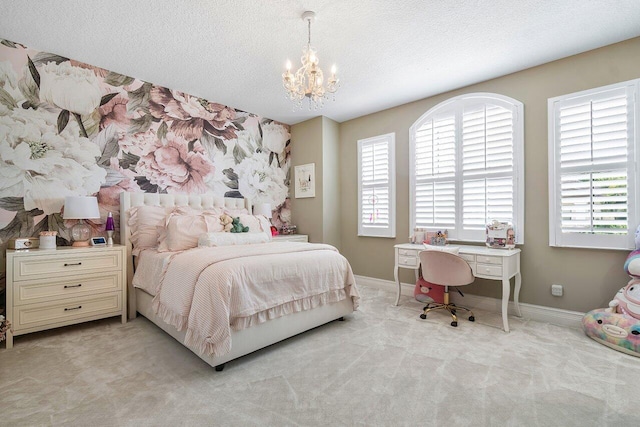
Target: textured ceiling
(387, 52)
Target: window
(593, 141)
(467, 167)
(377, 186)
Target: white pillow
(228, 239)
(143, 221)
(450, 249)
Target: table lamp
(263, 209)
(81, 208)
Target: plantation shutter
(593, 168)
(435, 168)
(376, 174)
(487, 165)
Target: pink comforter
(209, 291)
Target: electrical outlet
(556, 290)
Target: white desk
(486, 263)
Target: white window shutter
(592, 146)
(376, 186)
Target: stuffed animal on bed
(226, 221)
(237, 226)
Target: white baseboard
(554, 316)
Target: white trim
(538, 313)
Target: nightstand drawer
(66, 312)
(37, 267)
(44, 290)
(488, 270)
(408, 261)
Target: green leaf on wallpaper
(233, 194)
(238, 125)
(45, 57)
(238, 154)
(141, 124)
(29, 89)
(139, 98)
(260, 132)
(8, 43)
(129, 161)
(11, 230)
(7, 100)
(12, 204)
(115, 79)
(146, 186)
(56, 223)
(230, 174)
(108, 97)
(113, 177)
(63, 120)
(163, 129)
(220, 145)
(107, 141)
(34, 72)
(272, 155)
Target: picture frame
(305, 181)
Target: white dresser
(486, 263)
(290, 238)
(49, 288)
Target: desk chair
(446, 269)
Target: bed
(245, 334)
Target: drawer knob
(73, 308)
(72, 286)
(66, 264)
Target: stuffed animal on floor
(238, 227)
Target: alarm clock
(24, 243)
(98, 241)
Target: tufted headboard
(195, 201)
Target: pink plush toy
(428, 292)
(627, 300)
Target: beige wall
(331, 182)
(590, 277)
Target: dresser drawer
(66, 312)
(408, 261)
(43, 290)
(42, 267)
(484, 259)
(488, 270)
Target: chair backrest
(445, 269)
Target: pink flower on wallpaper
(175, 169)
(115, 112)
(140, 144)
(191, 116)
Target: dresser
(49, 288)
(290, 238)
(493, 264)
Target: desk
(486, 263)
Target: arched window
(467, 166)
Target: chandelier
(308, 81)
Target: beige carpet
(383, 366)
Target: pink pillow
(184, 225)
(144, 221)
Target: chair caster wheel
(454, 323)
(472, 319)
(423, 316)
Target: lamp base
(80, 234)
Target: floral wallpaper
(71, 129)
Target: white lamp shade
(263, 209)
(81, 207)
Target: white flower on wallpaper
(43, 166)
(274, 137)
(70, 88)
(261, 182)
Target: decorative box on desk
(49, 288)
(486, 263)
(290, 238)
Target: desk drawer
(489, 259)
(42, 267)
(408, 261)
(489, 270)
(407, 252)
(468, 257)
(67, 311)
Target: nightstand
(290, 238)
(49, 288)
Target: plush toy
(238, 227)
(428, 292)
(226, 221)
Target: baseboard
(539, 313)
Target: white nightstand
(49, 288)
(290, 238)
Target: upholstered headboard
(195, 201)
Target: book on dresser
(50, 288)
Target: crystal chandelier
(308, 81)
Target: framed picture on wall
(305, 179)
